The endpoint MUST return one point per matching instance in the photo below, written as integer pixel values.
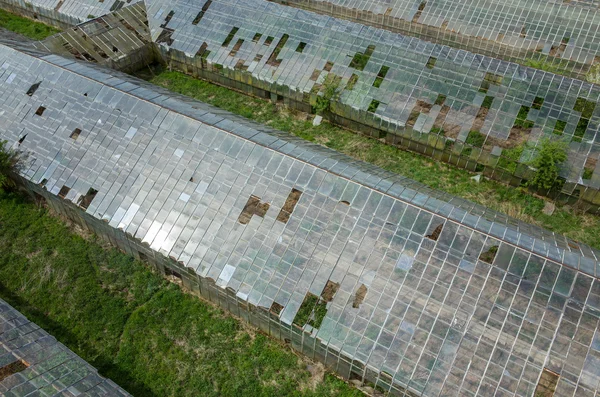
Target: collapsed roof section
(120, 40)
(432, 293)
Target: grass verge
(26, 27)
(135, 327)
(515, 202)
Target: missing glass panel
(288, 207)
(489, 255)
(274, 58)
(329, 291)
(200, 15)
(547, 384)
(301, 47)
(436, 232)
(253, 207)
(86, 200)
(33, 88)
(64, 191)
(360, 59)
(359, 297)
(75, 134)
(12, 368)
(230, 36)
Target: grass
(135, 327)
(306, 309)
(516, 202)
(509, 159)
(312, 311)
(557, 67)
(521, 120)
(26, 27)
(475, 138)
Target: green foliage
(306, 309)
(330, 93)
(360, 60)
(521, 120)
(312, 311)
(558, 67)
(487, 102)
(559, 128)
(26, 27)
(587, 173)
(475, 138)
(510, 158)
(373, 106)
(352, 82)
(319, 313)
(549, 156)
(515, 202)
(135, 327)
(489, 255)
(8, 161)
(537, 103)
(582, 126)
(441, 98)
(381, 76)
(585, 107)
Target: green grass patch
(509, 158)
(360, 60)
(521, 120)
(558, 67)
(312, 311)
(26, 27)
(585, 107)
(381, 76)
(487, 102)
(475, 138)
(135, 327)
(373, 106)
(517, 203)
(559, 128)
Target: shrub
(8, 162)
(549, 156)
(330, 93)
